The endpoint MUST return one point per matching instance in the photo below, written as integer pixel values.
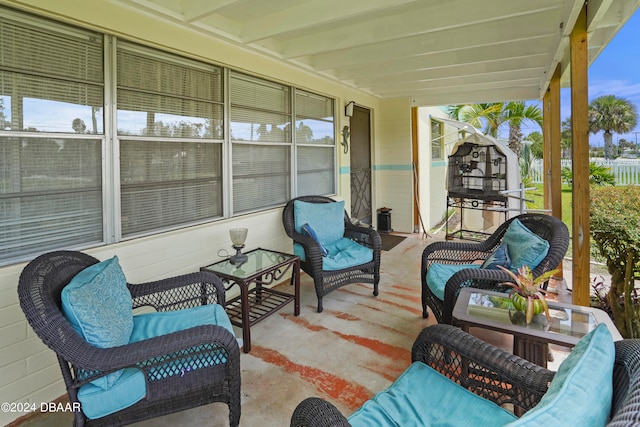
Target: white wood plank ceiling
(437, 52)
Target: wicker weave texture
(213, 348)
(494, 374)
(547, 227)
(328, 281)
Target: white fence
(625, 171)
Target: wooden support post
(552, 149)
(580, 159)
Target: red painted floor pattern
(336, 389)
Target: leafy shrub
(615, 229)
(598, 174)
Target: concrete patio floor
(355, 348)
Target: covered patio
(388, 58)
(356, 347)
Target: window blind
(315, 140)
(261, 143)
(52, 83)
(167, 179)
(165, 184)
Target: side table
(493, 310)
(255, 302)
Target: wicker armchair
(327, 281)
(495, 375)
(547, 227)
(39, 289)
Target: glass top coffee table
(493, 310)
(255, 302)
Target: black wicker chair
(327, 281)
(447, 252)
(495, 375)
(40, 286)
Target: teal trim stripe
(392, 167)
(439, 163)
(345, 170)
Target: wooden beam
(580, 156)
(552, 149)
(415, 157)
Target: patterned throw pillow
(98, 305)
(499, 257)
(306, 229)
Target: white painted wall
(393, 174)
(432, 173)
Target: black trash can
(384, 220)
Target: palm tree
(611, 114)
(516, 113)
(490, 116)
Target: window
(315, 142)
(103, 140)
(261, 141)
(52, 133)
(437, 141)
(170, 128)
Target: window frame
(437, 141)
(111, 141)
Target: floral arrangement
(527, 294)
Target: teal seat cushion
(439, 274)
(149, 325)
(345, 253)
(525, 247)
(97, 402)
(98, 305)
(421, 397)
(298, 250)
(580, 394)
(326, 219)
(130, 387)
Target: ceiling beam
(507, 50)
(473, 96)
(473, 34)
(308, 15)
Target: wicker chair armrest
(480, 278)
(364, 235)
(484, 369)
(174, 293)
(312, 252)
(625, 410)
(455, 253)
(147, 354)
(316, 412)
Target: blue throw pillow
(580, 394)
(499, 257)
(525, 246)
(98, 305)
(306, 229)
(327, 219)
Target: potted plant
(527, 294)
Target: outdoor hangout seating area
(261, 213)
(166, 352)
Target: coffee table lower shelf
(262, 303)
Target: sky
(616, 71)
